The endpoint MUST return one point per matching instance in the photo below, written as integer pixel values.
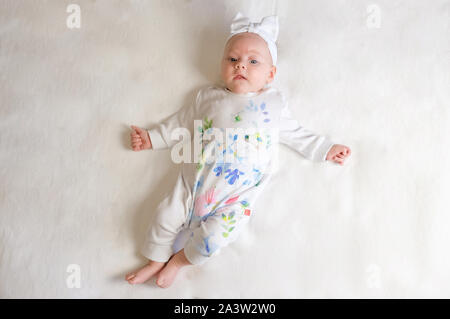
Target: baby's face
(247, 54)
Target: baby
(213, 199)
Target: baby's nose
(240, 65)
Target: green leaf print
(206, 123)
(229, 220)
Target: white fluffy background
(73, 192)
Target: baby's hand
(140, 140)
(338, 153)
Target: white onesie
(215, 193)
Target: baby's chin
(241, 88)
(238, 90)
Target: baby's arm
(312, 146)
(159, 137)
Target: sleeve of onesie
(160, 134)
(292, 134)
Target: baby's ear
(272, 73)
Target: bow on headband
(267, 29)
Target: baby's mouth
(239, 77)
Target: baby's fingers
(136, 141)
(136, 131)
(137, 147)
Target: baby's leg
(161, 234)
(215, 232)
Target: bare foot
(169, 272)
(145, 273)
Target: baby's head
(247, 54)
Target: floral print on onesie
(214, 197)
(224, 190)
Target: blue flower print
(220, 168)
(205, 241)
(234, 138)
(263, 107)
(198, 184)
(230, 147)
(244, 203)
(257, 176)
(254, 108)
(208, 246)
(233, 175)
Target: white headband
(266, 29)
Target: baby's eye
(233, 59)
(253, 61)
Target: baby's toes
(134, 280)
(130, 276)
(160, 282)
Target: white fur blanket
(75, 200)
